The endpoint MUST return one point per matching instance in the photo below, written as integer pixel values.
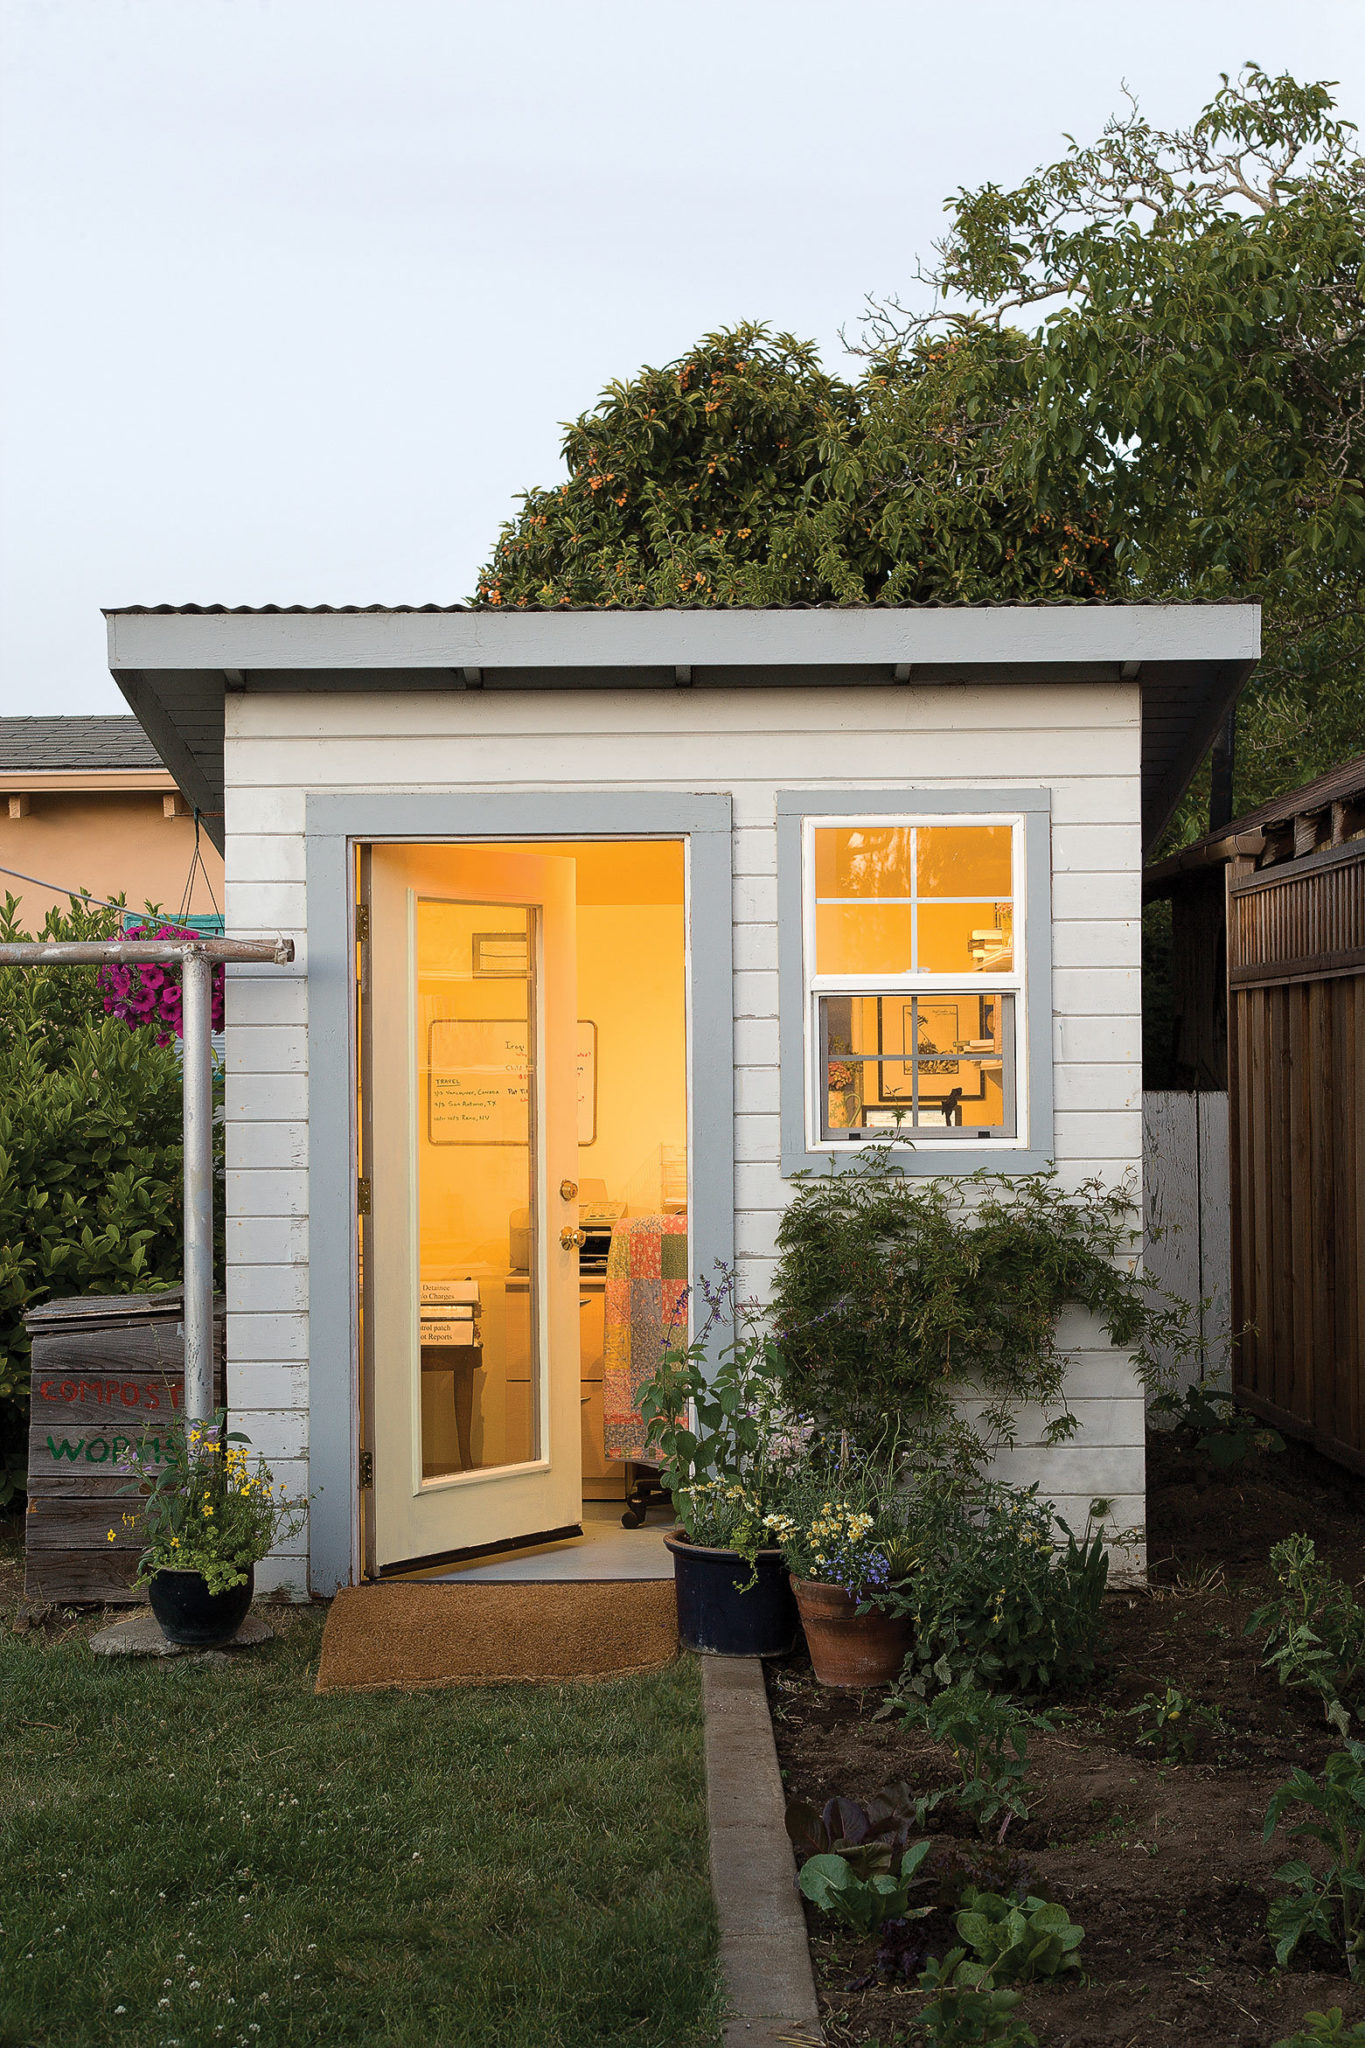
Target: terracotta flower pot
(847, 1648)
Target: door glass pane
(477, 1186)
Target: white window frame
(1029, 981)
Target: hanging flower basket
(146, 995)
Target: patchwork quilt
(646, 1312)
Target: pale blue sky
(296, 292)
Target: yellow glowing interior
(919, 1061)
(477, 1185)
(902, 899)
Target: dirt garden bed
(1162, 1864)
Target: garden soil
(1162, 1864)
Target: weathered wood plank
(81, 1577)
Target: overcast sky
(296, 292)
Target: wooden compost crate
(107, 1371)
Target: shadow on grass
(205, 1852)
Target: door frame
(335, 826)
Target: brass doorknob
(569, 1238)
(568, 1190)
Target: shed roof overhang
(176, 664)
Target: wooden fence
(1296, 1020)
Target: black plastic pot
(716, 1617)
(192, 1616)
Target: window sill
(1004, 1156)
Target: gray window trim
(334, 824)
(794, 805)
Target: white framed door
(473, 1281)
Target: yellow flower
(207, 1508)
(110, 1536)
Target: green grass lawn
(203, 1852)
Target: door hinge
(362, 1197)
(366, 1470)
(362, 922)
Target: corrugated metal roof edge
(519, 610)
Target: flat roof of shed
(175, 664)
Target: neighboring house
(86, 803)
(1268, 1024)
(631, 916)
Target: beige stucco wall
(106, 842)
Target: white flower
(120, 2008)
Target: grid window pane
(965, 860)
(863, 860)
(941, 1063)
(966, 938)
(863, 938)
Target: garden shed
(607, 924)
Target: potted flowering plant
(843, 1530)
(716, 1420)
(210, 1513)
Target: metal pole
(197, 1016)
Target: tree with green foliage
(90, 1153)
(744, 473)
(1141, 375)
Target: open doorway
(526, 1120)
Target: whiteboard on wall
(477, 1090)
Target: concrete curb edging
(763, 1949)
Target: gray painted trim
(795, 804)
(1007, 634)
(334, 824)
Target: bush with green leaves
(894, 1295)
(90, 1153)
(1314, 1629)
(863, 1904)
(1206, 1419)
(1325, 2030)
(1170, 1721)
(992, 1598)
(968, 2009)
(1019, 1940)
(988, 1736)
(1328, 1902)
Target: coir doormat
(412, 1635)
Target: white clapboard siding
(1186, 1221)
(1079, 742)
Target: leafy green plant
(864, 1903)
(1328, 1902)
(872, 1837)
(206, 1506)
(988, 1736)
(1325, 2030)
(993, 1600)
(891, 1291)
(1314, 1629)
(1019, 1940)
(90, 1154)
(716, 1416)
(1170, 1721)
(1209, 1421)
(968, 2010)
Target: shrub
(1330, 1901)
(1170, 1722)
(890, 1290)
(988, 1736)
(968, 2010)
(1326, 2030)
(1315, 1630)
(1019, 1940)
(90, 1154)
(864, 1903)
(1207, 1420)
(992, 1600)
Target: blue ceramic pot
(192, 1616)
(716, 1617)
